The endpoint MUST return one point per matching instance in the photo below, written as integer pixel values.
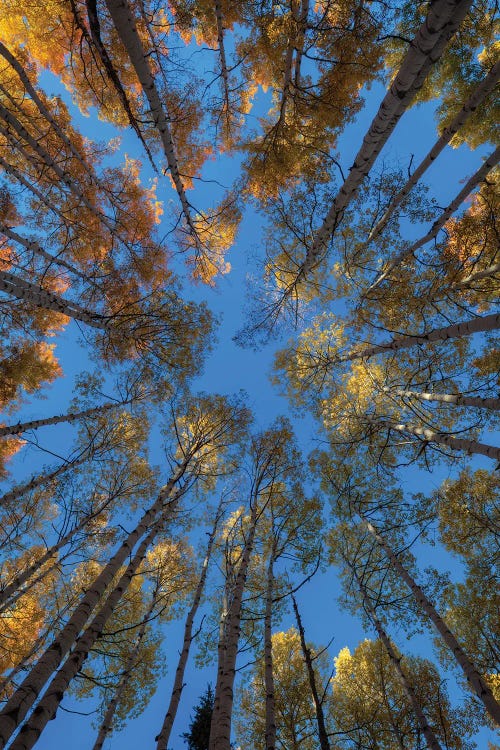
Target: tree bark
(24, 290)
(484, 274)
(478, 95)
(476, 178)
(163, 737)
(442, 21)
(42, 479)
(124, 22)
(21, 701)
(456, 330)
(220, 728)
(447, 398)
(49, 703)
(456, 444)
(107, 722)
(472, 675)
(320, 717)
(34, 424)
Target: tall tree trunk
(442, 21)
(301, 19)
(21, 701)
(220, 728)
(430, 738)
(95, 33)
(46, 708)
(163, 737)
(446, 398)
(453, 331)
(471, 673)
(24, 290)
(50, 162)
(34, 424)
(107, 722)
(480, 93)
(42, 479)
(34, 247)
(476, 178)
(270, 735)
(11, 593)
(456, 444)
(222, 53)
(471, 278)
(124, 22)
(318, 705)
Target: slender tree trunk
(107, 722)
(442, 21)
(476, 178)
(13, 590)
(63, 176)
(34, 247)
(299, 49)
(478, 95)
(270, 735)
(472, 675)
(20, 427)
(320, 717)
(124, 22)
(456, 444)
(162, 739)
(95, 33)
(220, 729)
(42, 479)
(456, 330)
(21, 701)
(447, 398)
(222, 53)
(46, 708)
(430, 738)
(484, 274)
(24, 290)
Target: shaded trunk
(34, 247)
(476, 178)
(442, 21)
(222, 53)
(318, 705)
(486, 86)
(124, 22)
(21, 701)
(220, 728)
(472, 675)
(24, 290)
(484, 274)
(448, 398)
(270, 736)
(456, 444)
(42, 479)
(456, 330)
(34, 424)
(163, 737)
(107, 722)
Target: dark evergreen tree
(199, 730)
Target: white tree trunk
(453, 331)
(478, 95)
(163, 737)
(476, 178)
(484, 274)
(34, 424)
(442, 21)
(220, 729)
(456, 444)
(447, 398)
(41, 479)
(270, 735)
(472, 675)
(24, 290)
(21, 701)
